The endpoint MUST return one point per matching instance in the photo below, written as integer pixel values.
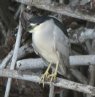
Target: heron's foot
(44, 77)
(48, 76)
(52, 77)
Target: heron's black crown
(40, 19)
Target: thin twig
(51, 92)
(85, 34)
(24, 50)
(14, 58)
(91, 67)
(79, 76)
(6, 59)
(17, 12)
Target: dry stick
(21, 53)
(79, 76)
(89, 47)
(17, 12)
(3, 29)
(85, 34)
(61, 94)
(40, 64)
(88, 34)
(62, 83)
(76, 60)
(14, 58)
(92, 77)
(61, 1)
(29, 64)
(91, 67)
(82, 60)
(51, 92)
(6, 59)
(24, 50)
(58, 9)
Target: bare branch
(43, 4)
(82, 60)
(74, 61)
(14, 58)
(24, 50)
(39, 64)
(84, 34)
(29, 64)
(6, 59)
(87, 34)
(79, 76)
(51, 92)
(63, 83)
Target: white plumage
(50, 42)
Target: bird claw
(44, 77)
(52, 77)
(47, 76)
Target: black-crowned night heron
(50, 41)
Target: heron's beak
(31, 27)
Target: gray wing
(61, 45)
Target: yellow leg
(53, 75)
(45, 75)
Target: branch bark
(39, 64)
(84, 34)
(6, 59)
(77, 60)
(24, 50)
(63, 83)
(82, 60)
(14, 58)
(43, 4)
(51, 91)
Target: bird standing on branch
(50, 41)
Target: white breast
(42, 39)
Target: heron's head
(35, 22)
(31, 27)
